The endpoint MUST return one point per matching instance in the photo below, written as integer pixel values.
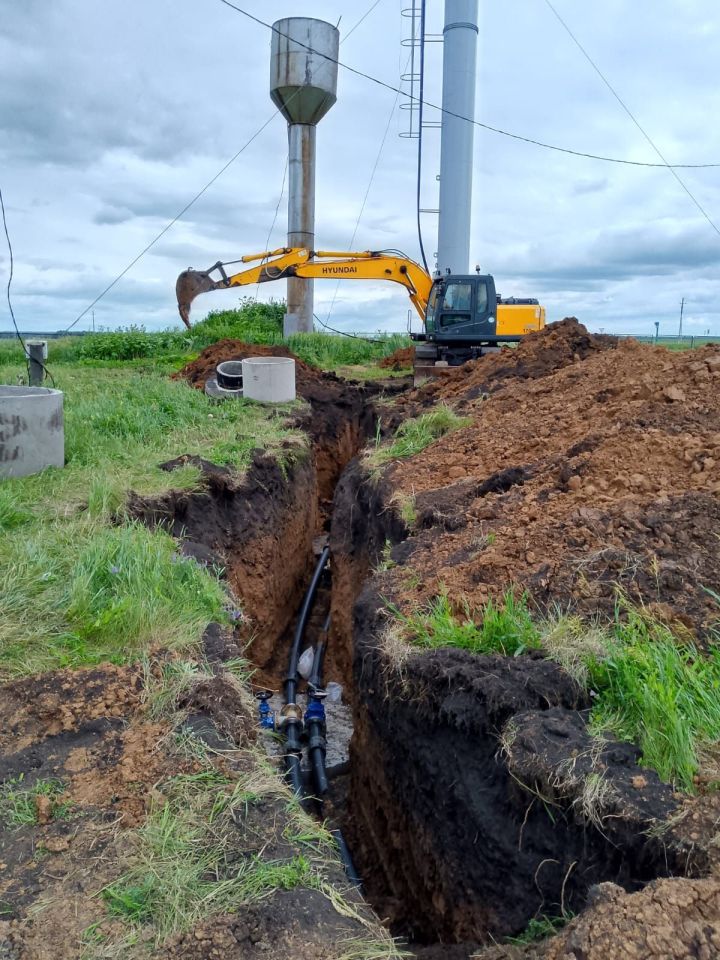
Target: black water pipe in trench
(291, 713)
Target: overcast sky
(114, 113)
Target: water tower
(303, 84)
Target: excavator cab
(461, 307)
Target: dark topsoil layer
(469, 808)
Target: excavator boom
(299, 262)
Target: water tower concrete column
(303, 84)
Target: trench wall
(457, 840)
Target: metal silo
(303, 84)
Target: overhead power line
(634, 119)
(174, 220)
(362, 19)
(367, 194)
(9, 298)
(458, 116)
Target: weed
(19, 804)
(415, 435)
(539, 928)
(130, 902)
(385, 562)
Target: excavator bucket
(190, 284)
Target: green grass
(658, 692)
(252, 322)
(539, 928)
(415, 435)
(189, 860)
(79, 582)
(647, 686)
(505, 628)
(18, 803)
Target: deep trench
(456, 841)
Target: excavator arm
(299, 262)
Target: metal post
(301, 221)
(456, 146)
(682, 310)
(37, 354)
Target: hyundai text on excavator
(462, 315)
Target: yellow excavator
(462, 315)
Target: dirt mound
(199, 371)
(672, 919)
(400, 358)
(588, 464)
(540, 355)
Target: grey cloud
(590, 186)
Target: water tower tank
(303, 84)
(303, 81)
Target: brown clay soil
(86, 729)
(89, 730)
(399, 359)
(198, 371)
(590, 464)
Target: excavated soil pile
(198, 371)
(589, 465)
(340, 415)
(400, 358)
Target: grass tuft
(19, 804)
(187, 865)
(415, 435)
(504, 627)
(659, 693)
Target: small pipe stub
(229, 374)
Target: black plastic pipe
(292, 675)
(292, 726)
(347, 859)
(317, 744)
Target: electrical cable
(174, 220)
(632, 116)
(362, 19)
(367, 193)
(421, 92)
(9, 298)
(477, 123)
(342, 333)
(272, 225)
